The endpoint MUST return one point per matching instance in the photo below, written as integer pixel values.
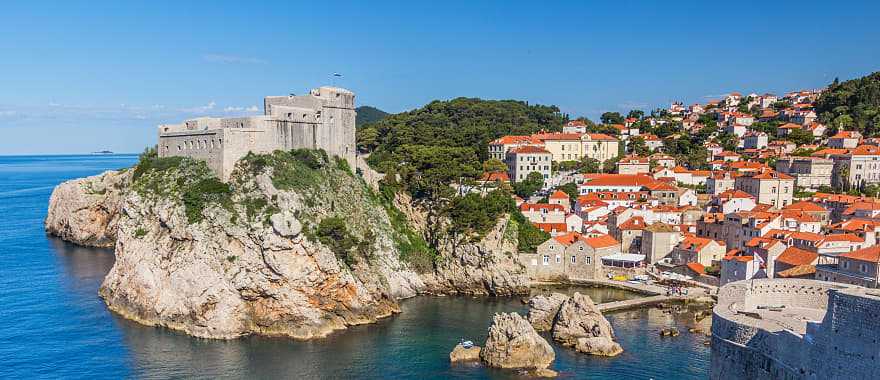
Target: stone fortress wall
(323, 119)
(824, 331)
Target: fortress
(795, 329)
(323, 119)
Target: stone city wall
(843, 345)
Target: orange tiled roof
(529, 149)
(495, 176)
(558, 194)
(634, 223)
(697, 268)
(619, 180)
(804, 206)
(866, 150)
(601, 241)
(870, 254)
(795, 256)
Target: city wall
(841, 345)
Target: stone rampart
(779, 329)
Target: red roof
(510, 140)
(845, 135)
(697, 268)
(541, 206)
(694, 243)
(559, 194)
(804, 206)
(731, 194)
(601, 241)
(619, 180)
(495, 176)
(866, 150)
(549, 227)
(794, 256)
(870, 254)
(634, 223)
(529, 149)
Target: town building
(857, 268)
(857, 168)
(526, 159)
(845, 140)
(633, 165)
(769, 187)
(808, 172)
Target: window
(546, 259)
(588, 260)
(558, 259)
(573, 259)
(846, 265)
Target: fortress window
(289, 115)
(220, 142)
(178, 148)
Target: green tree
(494, 165)
(637, 145)
(610, 165)
(635, 114)
(800, 136)
(529, 186)
(612, 118)
(727, 140)
(853, 104)
(590, 165)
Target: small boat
(466, 343)
(103, 152)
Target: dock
(638, 302)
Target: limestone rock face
(514, 343)
(85, 211)
(579, 324)
(461, 354)
(543, 310)
(487, 267)
(247, 266)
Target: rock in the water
(85, 211)
(544, 372)
(672, 331)
(462, 354)
(543, 310)
(514, 343)
(580, 324)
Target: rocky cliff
(85, 211)
(488, 266)
(293, 245)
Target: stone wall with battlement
(323, 119)
(795, 329)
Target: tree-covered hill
(457, 123)
(368, 114)
(854, 104)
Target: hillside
(367, 115)
(853, 104)
(464, 124)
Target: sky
(81, 76)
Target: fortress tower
(323, 119)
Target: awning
(630, 257)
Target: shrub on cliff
(333, 233)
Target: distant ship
(103, 152)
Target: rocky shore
(291, 246)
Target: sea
(54, 325)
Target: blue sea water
(54, 325)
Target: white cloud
(225, 58)
(252, 109)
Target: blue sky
(80, 76)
